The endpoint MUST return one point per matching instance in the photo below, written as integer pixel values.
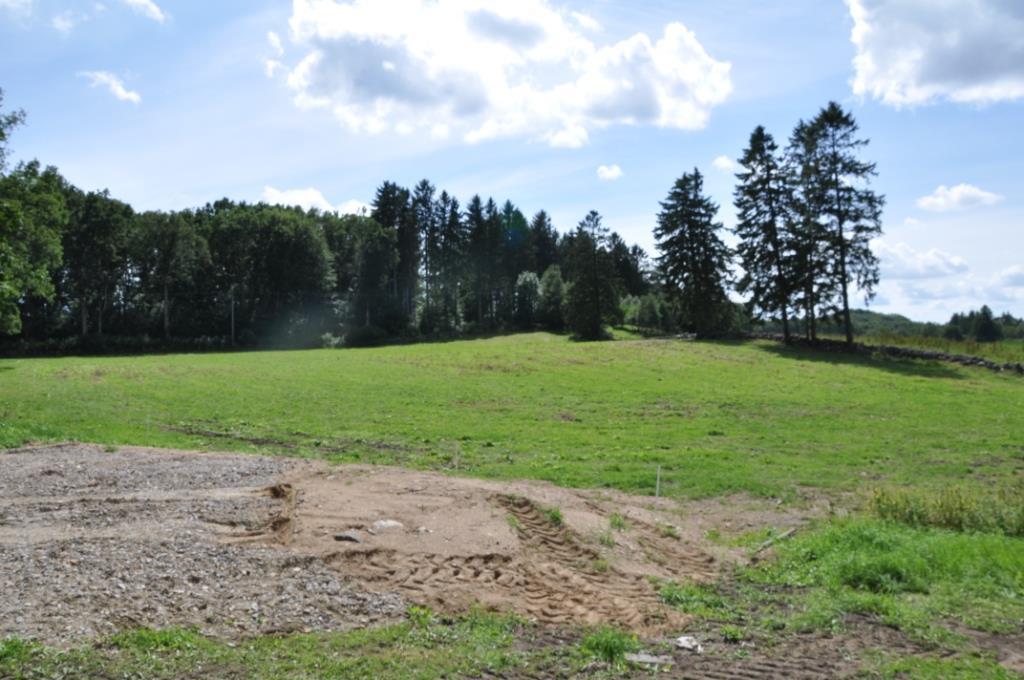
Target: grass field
(718, 417)
(933, 453)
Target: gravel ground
(95, 541)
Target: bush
(610, 644)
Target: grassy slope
(717, 416)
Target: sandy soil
(94, 540)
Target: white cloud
(272, 66)
(354, 207)
(274, 40)
(64, 22)
(586, 21)
(311, 198)
(912, 52)
(959, 197)
(487, 70)
(147, 8)
(1012, 277)
(900, 261)
(609, 172)
(113, 84)
(724, 163)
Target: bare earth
(92, 541)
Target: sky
(563, 106)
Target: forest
(82, 270)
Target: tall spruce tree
(810, 275)
(694, 260)
(762, 200)
(852, 211)
(592, 299)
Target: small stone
(348, 537)
(650, 659)
(689, 643)
(386, 524)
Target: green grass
(609, 645)
(999, 509)
(717, 417)
(1004, 351)
(424, 647)
(911, 578)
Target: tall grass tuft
(958, 508)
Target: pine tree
(811, 282)
(393, 212)
(592, 299)
(852, 211)
(694, 260)
(543, 243)
(762, 199)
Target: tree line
(83, 267)
(86, 267)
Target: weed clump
(609, 645)
(956, 507)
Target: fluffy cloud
(900, 261)
(147, 8)
(609, 172)
(585, 21)
(113, 85)
(959, 197)
(311, 198)
(1012, 277)
(912, 52)
(724, 163)
(484, 71)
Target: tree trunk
(85, 317)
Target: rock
(650, 659)
(690, 644)
(422, 530)
(386, 525)
(348, 537)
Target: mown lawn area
(716, 416)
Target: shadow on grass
(922, 368)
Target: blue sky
(170, 104)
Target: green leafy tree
(591, 300)
(552, 299)
(851, 209)
(32, 216)
(8, 121)
(694, 259)
(168, 254)
(764, 228)
(527, 297)
(96, 252)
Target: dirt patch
(92, 542)
(544, 552)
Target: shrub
(610, 644)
